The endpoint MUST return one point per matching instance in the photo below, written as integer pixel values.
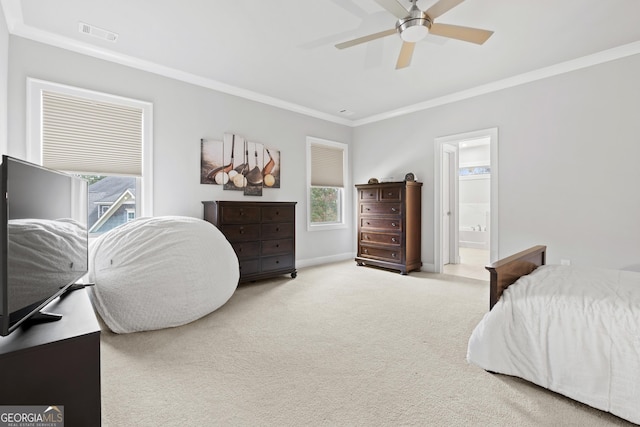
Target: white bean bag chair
(160, 272)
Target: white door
(449, 204)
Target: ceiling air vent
(97, 32)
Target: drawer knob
(394, 210)
(277, 261)
(277, 228)
(393, 255)
(393, 239)
(393, 224)
(370, 194)
(277, 245)
(366, 251)
(390, 193)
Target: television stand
(42, 317)
(56, 363)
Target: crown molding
(542, 73)
(15, 24)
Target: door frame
(438, 181)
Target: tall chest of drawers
(389, 225)
(261, 233)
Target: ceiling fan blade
(467, 34)
(365, 39)
(404, 59)
(394, 8)
(441, 7)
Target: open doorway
(466, 203)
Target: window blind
(87, 136)
(326, 166)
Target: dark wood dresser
(389, 225)
(261, 233)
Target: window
(103, 138)
(326, 175)
(103, 210)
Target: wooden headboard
(507, 270)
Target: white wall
(568, 161)
(474, 192)
(4, 69)
(183, 114)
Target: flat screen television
(43, 240)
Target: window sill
(324, 227)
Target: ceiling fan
(414, 24)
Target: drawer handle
(277, 245)
(366, 251)
(241, 231)
(241, 212)
(393, 255)
(367, 237)
(390, 193)
(277, 261)
(277, 212)
(370, 194)
(394, 210)
(393, 239)
(277, 228)
(368, 223)
(367, 209)
(393, 224)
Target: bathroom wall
(473, 189)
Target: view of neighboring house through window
(101, 138)
(327, 162)
(112, 202)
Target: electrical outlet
(565, 262)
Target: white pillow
(159, 272)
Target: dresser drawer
(368, 194)
(392, 255)
(239, 214)
(380, 238)
(392, 193)
(278, 214)
(277, 262)
(239, 232)
(277, 230)
(247, 249)
(249, 266)
(389, 224)
(280, 246)
(380, 208)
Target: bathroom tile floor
(472, 262)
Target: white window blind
(87, 136)
(326, 166)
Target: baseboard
(429, 268)
(301, 263)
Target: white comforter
(572, 330)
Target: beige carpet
(340, 345)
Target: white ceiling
(282, 51)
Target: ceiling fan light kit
(414, 24)
(414, 27)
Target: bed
(573, 330)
